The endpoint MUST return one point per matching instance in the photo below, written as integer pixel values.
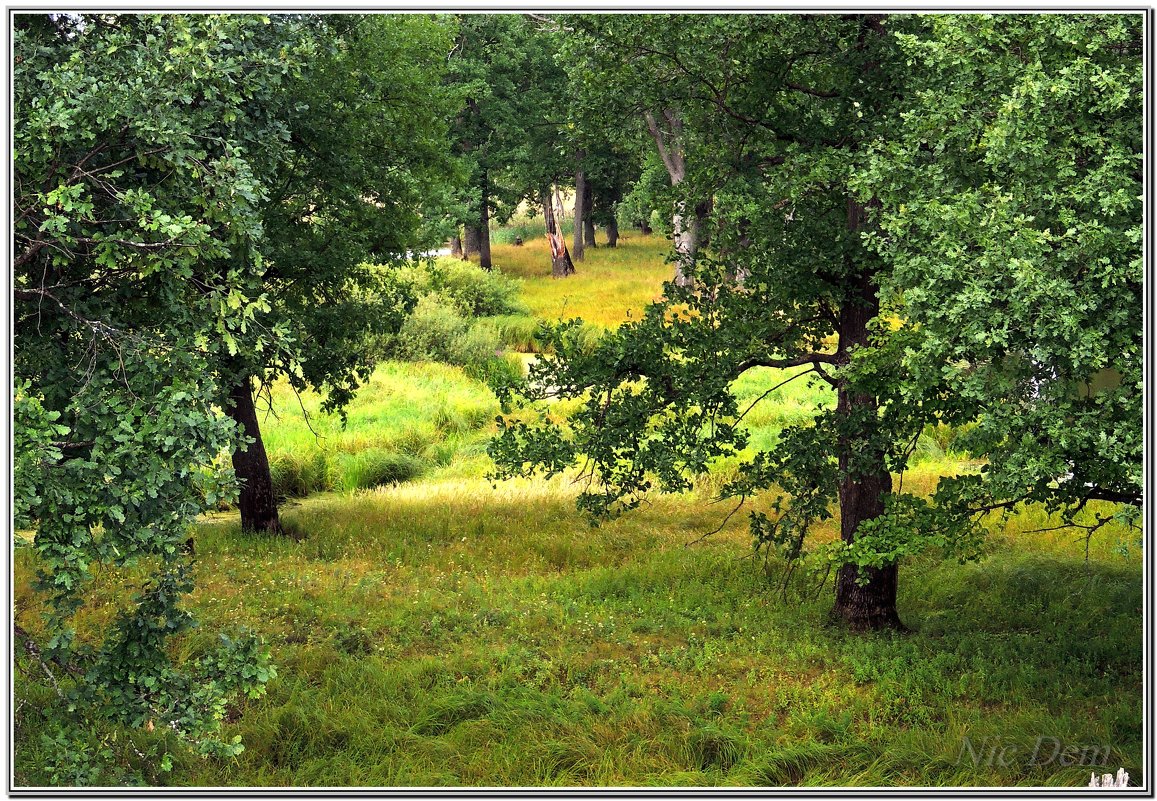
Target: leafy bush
(436, 331)
(472, 291)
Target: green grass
(449, 633)
(431, 628)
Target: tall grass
(450, 633)
(609, 286)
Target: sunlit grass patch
(610, 286)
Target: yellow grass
(609, 286)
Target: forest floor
(450, 630)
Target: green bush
(472, 291)
(437, 332)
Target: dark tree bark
(473, 241)
(257, 503)
(580, 208)
(588, 216)
(612, 233)
(645, 227)
(864, 478)
(702, 213)
(560, 264)
(456, 246)
(484, 225)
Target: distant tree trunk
(612, 233)
(645, 227)
(456, 246)
(257, 503)
(560, 264)
(484, 225)
(473, 241)
(580, 204)
(588, 216)
(685, 227)
(865, 481)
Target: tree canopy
(840, 153)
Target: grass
(609, 286)
(448, 633)
(433, 629)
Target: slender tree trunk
(686, 234)
(588, 216)
(580, 207)
(560, 264)
(645, 227)
(484, 225)
(257, 503)
(864, 478)
(456, 246)
(612, 233)
(473, 241)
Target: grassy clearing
(433, 629)
(609, 286)
(450, 633)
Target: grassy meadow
(432, 628)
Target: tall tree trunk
(456, 246)
(473, 240)
(580, 207)
(588, 216)
(484, 225)
(612, 233)
(864, 478)
(560, 264)
(257, 503)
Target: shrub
(472, 291)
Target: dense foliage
(1012, 215)
(133, 145)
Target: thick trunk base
(257, 503)
(612, 234)
(871, 607)
(560, 263)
